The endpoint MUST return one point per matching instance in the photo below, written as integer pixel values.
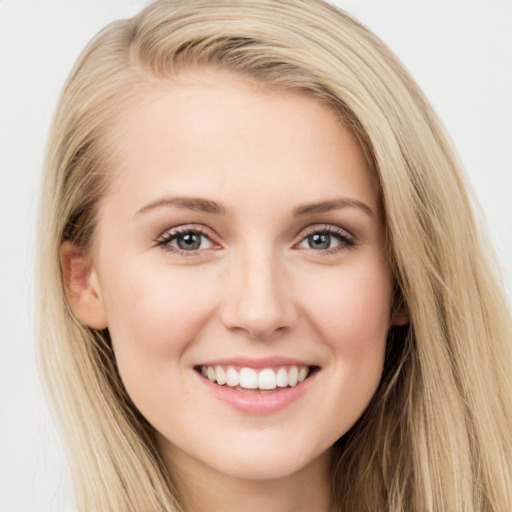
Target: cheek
(351, 316)
(153, 317)
(156, 301)
(352, 308)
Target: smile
(246, 378)
(257, 386)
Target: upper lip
(256, 363)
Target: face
(239, 265)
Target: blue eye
(326, 238)
(185, 240)
(321, 241)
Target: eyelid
(348, 240)
(171, 233)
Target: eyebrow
(333, 204)
(196, 204)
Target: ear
(399, 311)
(82, 287)
(400, 316)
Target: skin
(255, 288)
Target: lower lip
(258, 403)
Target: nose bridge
(256, 294)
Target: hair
(437, 433)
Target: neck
(203, 489)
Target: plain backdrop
(460, 52)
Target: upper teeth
(249, 378)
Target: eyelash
(165, 240)
(346, 240)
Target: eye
(185, 240)
(326, 238)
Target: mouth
(246, 379)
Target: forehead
(203, 131)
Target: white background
(460, 52)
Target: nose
(257, 297)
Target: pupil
(319, 241)
(189, 241)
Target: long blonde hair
(437, 436)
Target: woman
(211, 342)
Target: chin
(265, 464)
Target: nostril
(258, 305)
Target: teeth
(282, 378)
(293, 376)
(221, 375)
(232, 377)
(249, 378)
(267, 379)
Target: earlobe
(400, 317)
(81, 286)
(399, 311)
